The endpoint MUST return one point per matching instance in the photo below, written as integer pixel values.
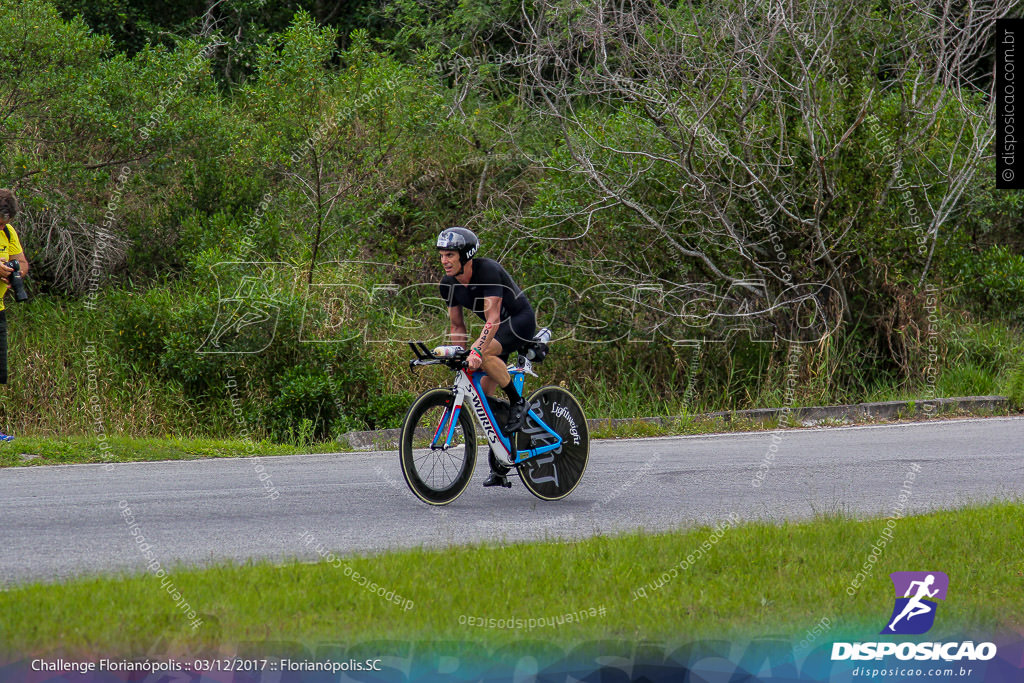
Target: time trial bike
(438, 442)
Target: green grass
(628, 396)
(83, 449)
(1013, 385)
(681, 425)
(758, 579)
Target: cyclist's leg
(494, 363)
(494, 360)
(498, 373)
(488, 385)
(511, 335)
(516, 331)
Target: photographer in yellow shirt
(10, 249)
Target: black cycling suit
(518, 324)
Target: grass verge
(31, 450)
(748, 580)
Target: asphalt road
(68, 520)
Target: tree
(345, 141)
(754, 145)
(89, 136)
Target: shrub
(249, 324)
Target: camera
(17, 281)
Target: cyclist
(487, 289)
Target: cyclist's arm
(492, 318)
(457, 330)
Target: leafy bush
(992, 280)
(304, 394)
(252, 323)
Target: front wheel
(555, 474)
(437, 469)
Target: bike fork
(449, 418)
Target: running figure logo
(916, 593)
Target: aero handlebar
(425, 356)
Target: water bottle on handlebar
(447, 351)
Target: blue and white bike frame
(467, 384)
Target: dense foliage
(249, 190)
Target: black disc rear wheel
(556, 474)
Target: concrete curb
(387, 439)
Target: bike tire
(555, 475)
(436, 476)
